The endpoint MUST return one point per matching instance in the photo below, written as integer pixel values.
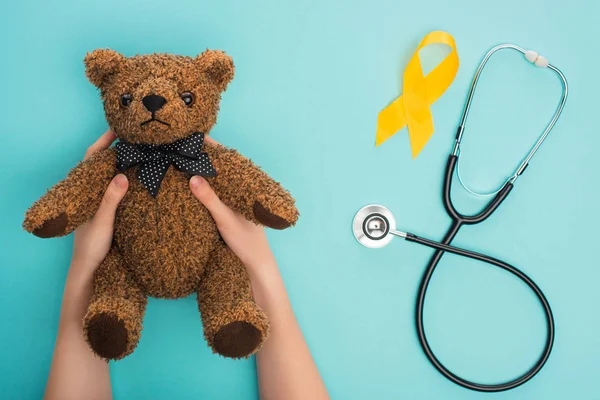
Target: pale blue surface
(311, 78)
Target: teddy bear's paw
(52, 227)
(271, 219)
(107, 335)
(238, 339)
(239, 332)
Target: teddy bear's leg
(234, 325)
(113, 323)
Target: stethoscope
(375, 226)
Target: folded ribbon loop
(412, 108)
(154, 160)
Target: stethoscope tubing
(441, 248)
(458, 220)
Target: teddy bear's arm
(74, 200)
(245, 188)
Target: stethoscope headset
(375, 226)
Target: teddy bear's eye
(187, 98)
(126, 99)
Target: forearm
(76, 372)
(286, 369)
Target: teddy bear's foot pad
(267, 218)
(107, 335)
(53, 227)
(237, 339)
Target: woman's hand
(93, 239)
(246, 239)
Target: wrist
(267, 286)
(81, 272)
(260, 270)
(77, 292)
(259, 261)
(264, 277)
(83, 264)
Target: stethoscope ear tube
(539, 61)
(440, 247)
(469, 219)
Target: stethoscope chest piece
(372, 225)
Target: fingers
(203, 192)
(112, 197)
(102, 143)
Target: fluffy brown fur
(168, 246)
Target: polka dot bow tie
(155, 160)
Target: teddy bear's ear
(217, 66)
(101, 63)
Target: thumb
(112, 197)
(207, 196)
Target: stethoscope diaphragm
(372, 225)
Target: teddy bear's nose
(153, 102)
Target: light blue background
(311, 78)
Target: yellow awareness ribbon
(412, 108)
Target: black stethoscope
(375, 226)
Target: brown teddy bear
(166, 244)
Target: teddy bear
(165, 244)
